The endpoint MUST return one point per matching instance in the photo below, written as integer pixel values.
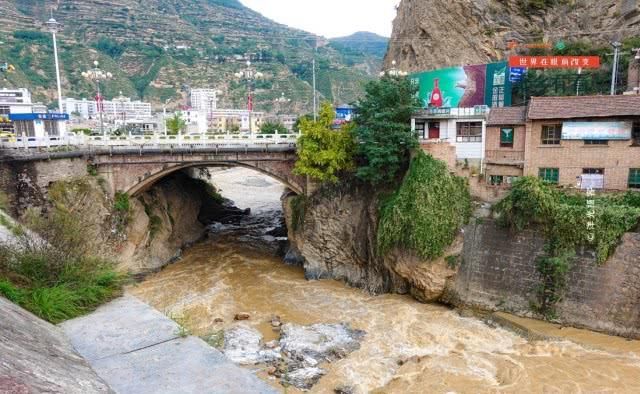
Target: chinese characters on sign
(555, 61)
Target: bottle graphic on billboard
(436, 95)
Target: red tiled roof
(583, 107)
(507, 116)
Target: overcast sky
(330, 18)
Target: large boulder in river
(243, 345)
(307, 346)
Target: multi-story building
(505, 144)
(204, 100)
(457, 131)
(288, 121)
(120, 107)
(582, 142)
(20, 116)
(223, 120)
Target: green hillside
(158, 49)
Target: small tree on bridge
(323, 153)
(175, 124)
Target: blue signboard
(516, 74)
(39, 116)
(344, 113)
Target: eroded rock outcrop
(337, 240)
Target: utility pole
(54, 27)
(315, 100)
(614, 73)
(637, 59)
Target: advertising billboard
(596, 130)
(465, 86)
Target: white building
(223, 120)
(204, 100)
(196, 121)
(288, 121)
(462, 128)
(20, 116)
(119, 108)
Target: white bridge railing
(215, 140)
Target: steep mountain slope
(157, 49)
(430, 34)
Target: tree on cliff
(323, 153)
(384, 128)
(175, 124)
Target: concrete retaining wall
(499, 273)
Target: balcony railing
(505, 156)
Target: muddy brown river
(408, 347)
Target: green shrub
(121, 202)
(426, 212)
(565, 217)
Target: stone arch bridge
(25, 176)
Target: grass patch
(53, 274)
(298, 211)
(426, 212)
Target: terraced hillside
(157, 49)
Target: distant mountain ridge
(365, 42)
(158, 49)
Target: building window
(4, 110)
(550, 175)
(551, 134)
(469, 132)
(496, 180)
(634, 178)
(596, 142)
(635, 134)
(420, 130)
(506, 137)
(51, 127)
(593, 171)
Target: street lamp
(54, 27)
(393, 71)
(96, 75)
(249, 74)
(614, 72)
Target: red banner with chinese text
(555, 61)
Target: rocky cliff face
(430, 34)
(336, 239)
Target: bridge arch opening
(149, 179)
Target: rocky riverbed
(324, 336)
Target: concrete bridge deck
(136, 349)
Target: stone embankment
(499, 273)
(36, 357)
(136, 349)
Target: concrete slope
(35, 357)
(137, 350)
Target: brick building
(583, 141)
(505, 144)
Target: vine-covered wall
(499, 273)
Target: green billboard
(465, 86)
